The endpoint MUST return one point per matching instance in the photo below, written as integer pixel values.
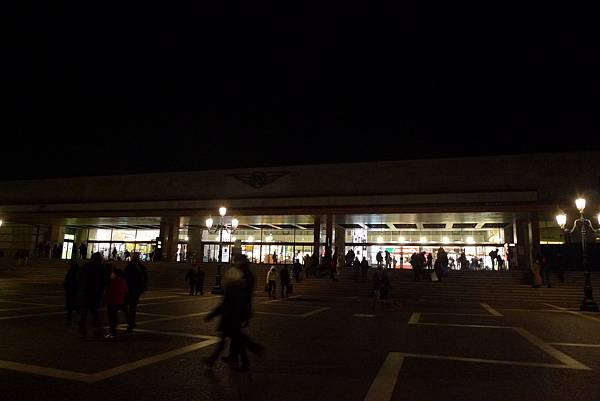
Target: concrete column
(195, 244)
(340, 244)
(56, 235)
(528, 241)
(523, 244)
(317, 238)
(536, 249)
(329, 235)
(169, 234)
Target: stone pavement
(320, 345)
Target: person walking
(296, 269)
(199, 280)
(272, 281)
(114, 298)
(388, 260)
(546, 272)
(385, 286)
(535, 269)
(91, 282)
(364, 269)
(70, 287)
(379, 259)
(356, 269)
(136, 276)
(493, 255)
(114, 253)
(82, 251)
(429, 261)
(377, 284)
(231, 310)
(190, 278)
(284, 277)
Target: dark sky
(114, 88)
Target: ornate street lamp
(221, 226)
(588, 303)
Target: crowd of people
(95, 284)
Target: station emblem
(260, 179)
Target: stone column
(536, 249)
(528, 241)
(56, 235)
(317, 238)
(195, 244)
(169, 234)
(340, 244)
(329, 235)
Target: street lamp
(588, 303)
(221, 226)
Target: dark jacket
(70, 286)
(231, 309)
(136, 275)
(91, 282)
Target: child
(115, 300)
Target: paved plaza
(320, 345)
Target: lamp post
(221, 226)
(588, 303)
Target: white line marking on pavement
(577, 345)
(92, 378)
(414, 318)
(166, 296)
(153, 314)
(277, 314)
(383, 386)
(465, 325)
(538, 342)
(31, 315)
(549, 349)
(166, 319)
(533, 310)
(151, 360)
(593, 319)
(176, 301)
(314, 312)
(362, 315)
(29, 307)
(554, 306)
(461, 314)
(174, 333)
(494, 361)
(40, 370)
(493, 311)
(27, 303)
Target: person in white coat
(272, 276)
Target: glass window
(99, 234)
(147, 235)
(123, 235)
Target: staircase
(458, 286)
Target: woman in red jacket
(115, 300)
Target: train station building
(470, 205)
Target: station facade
(467, 206)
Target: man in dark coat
(191, 278)
(199, 281)
(232, 311)
(136, 276)
(238, 345)
(91, 282)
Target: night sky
(105, 89)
